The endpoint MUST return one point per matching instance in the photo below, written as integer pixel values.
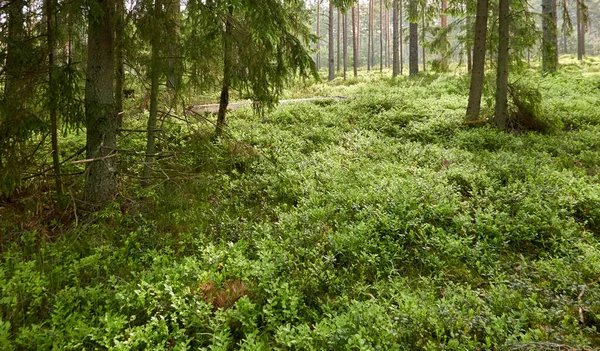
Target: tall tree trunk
(358, 29)
(227, 63)
(396, 42)
(501, 108)
(580, 30)
(549, 40)
(119, 59)
(372, 31)
(53, 90)
(387, 37)
(444, 25)
(413, 57)
(339, 56)
(354, 43)
(345, 44)
(101, 117)
(478, 70)
(174, 70)
(319, 34)
(369, 35)
(155, 69)
(381, 56)
(331, 54)
(423, 24)
(401, 35)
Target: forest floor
(377, 222)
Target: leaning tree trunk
(501, 109)
(354, 44)
(101, 117)
(331, 50)
(413, 54)
(549, 39)
(52, 96)
(477, 72)
(227, 63)
(155, 69)
(396, 42)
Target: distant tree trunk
(319, 34)
(381, 36)
(401, 36)
(387, 37)
(354, 44)
(339, 56)
(358, 29)
(331, 48)
(155, 70)
(372, 31)
(469, 47)
(478, 71)
(52, 96)
(565, 28)
(444, 25)
(423, 24)
(119, 60)
(345, 43)
(101, 117)
(227, 67)
(396, 42)
(549, 41)
(174, 70)
(501, 109)
(369, 34)
(413, 57)
(580, 31)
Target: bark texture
(501, 108)
(477, 73)
(549, 39)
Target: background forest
(287, 174)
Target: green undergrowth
(378, 222)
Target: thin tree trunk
(331, 47)
(423, 39)
(387, 37)
(444, 25)
(501, 108)
(358, 29)
(53, 90)
(396, 42)
(319, 35)
(101, 117)
(477, 74)
(345, 44)
(381, 56)
(549, 40)
(119, 60)
(372, 31)
(413, 57)
(227, 63)
(354, 43)
(401, 35)
(155, 70)
(369, 35)
(580, 31)
(339, 56)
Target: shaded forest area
(291, 175)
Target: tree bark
(339, 56)
(369, 37)
(354, 44)
(423, 24)
(413, 57)
(381, 56)
(345, 44)
(396, 42)
(331, 49)
(444, 25)
(119, 59)
(580, 30)
(318, 35)
(101, 117)
(227, 63)
(477, 74)
(501, 108)
(401, 36)
(52, 96)
(549, 40)
(155, 70)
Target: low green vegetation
(375, 222)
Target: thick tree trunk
(53, 90)
(331, 53)
(478, 70)
(396, 42)
(501, 109)
(227, 63)
(345, 44)
(549, 40)
(119, 60)
(101, 117)
(413, 57)
(354, 44)
(155, 69)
